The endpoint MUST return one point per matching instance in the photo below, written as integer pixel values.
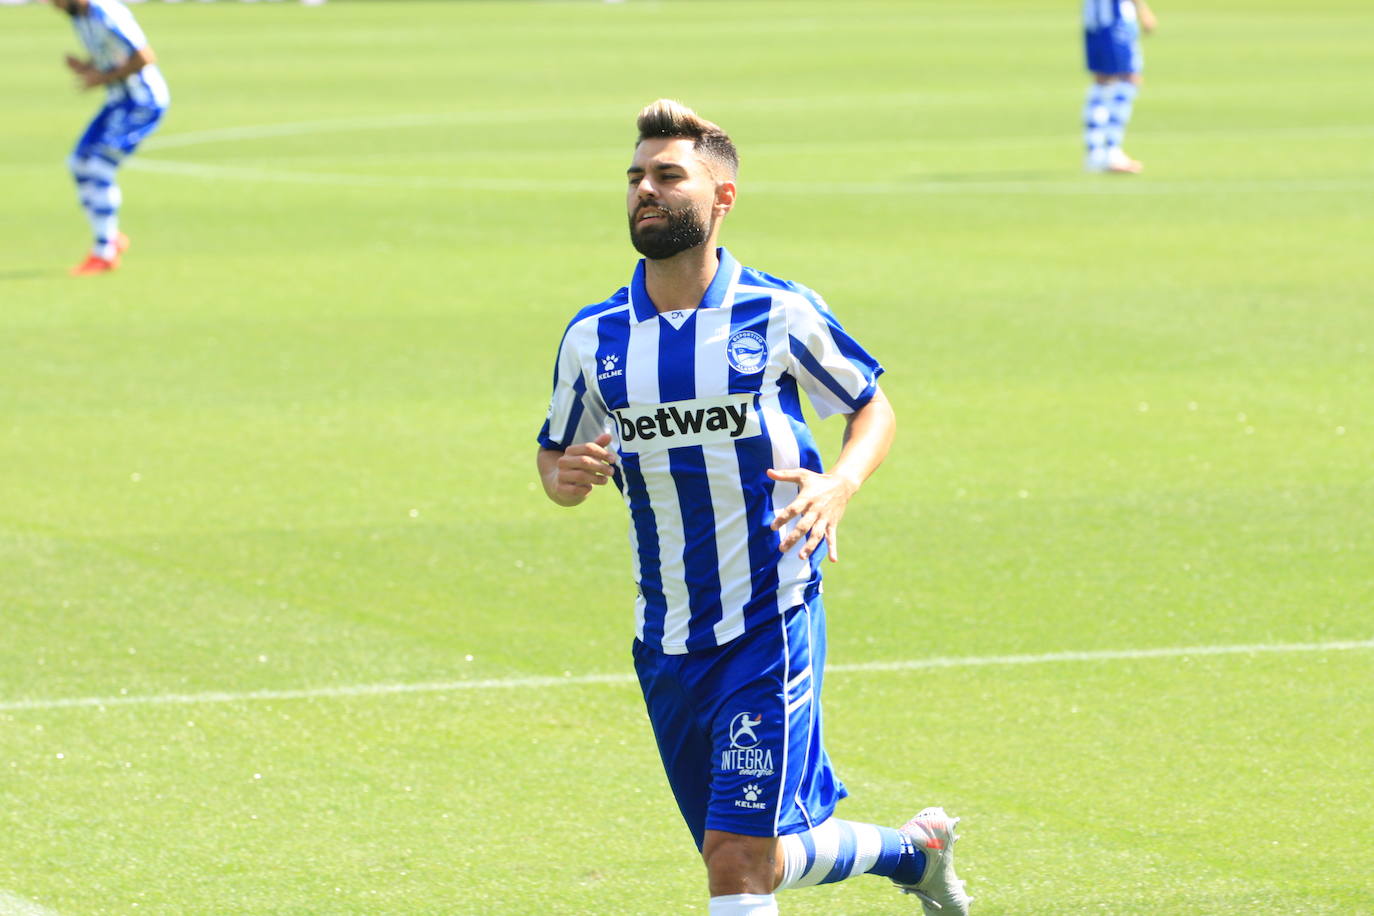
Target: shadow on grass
(25, 274)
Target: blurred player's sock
(744, 905)
(1097, 115)
(100, 198)
(1120, 102)
(838, 849)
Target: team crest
(746, 352)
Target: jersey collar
(726, 272)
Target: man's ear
(725, 197)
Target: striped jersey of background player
(684, 390)
(1111, 42)
(136, 98)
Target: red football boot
(94, 264)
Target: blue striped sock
(1120, 103)
(1097, 115)
(839, 849)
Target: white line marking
(549, 115)
(10, 905)
(526, 116)
(344, 125)
(438, 119)
(920, 186)
(1088, 186)
(248, 173)
(979, 661)
(1095, 185)
(517, 683)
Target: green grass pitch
(284, 457)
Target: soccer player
(684, 390)
(1111, 38)
(136, 98)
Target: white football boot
(1114, 161)
(940, 890)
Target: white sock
(105, 226)
(745, 905)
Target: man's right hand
(569, 476)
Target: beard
(680, 230)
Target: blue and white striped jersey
(1106, 14)
(110, 33)
(701, 403)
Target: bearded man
(683, 389)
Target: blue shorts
(1114, 50)
(117, 130)
(739, 728)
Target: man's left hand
(818, 508)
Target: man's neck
(679, 282)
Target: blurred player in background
(136, 98)
(684, 389)
(1111, 37)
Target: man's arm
(568, 476)
(822, 498)
(91, 76)
(1148, 22)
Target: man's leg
(739, 867)
(840, 849)
(768, 768)
(741, 872)
(111, 137)
(1120, 104)
(1115, 62)
(1096, 117)
(918, 858)
(94, 173)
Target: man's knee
(88, 166)
(738, 864)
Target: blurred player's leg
(1096, 116)
(94, 179)
(1111, 41)
(115, 132)
(1120, 103)
(100, 198)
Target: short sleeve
(575, 414)
(122, 25)
(837, 374)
